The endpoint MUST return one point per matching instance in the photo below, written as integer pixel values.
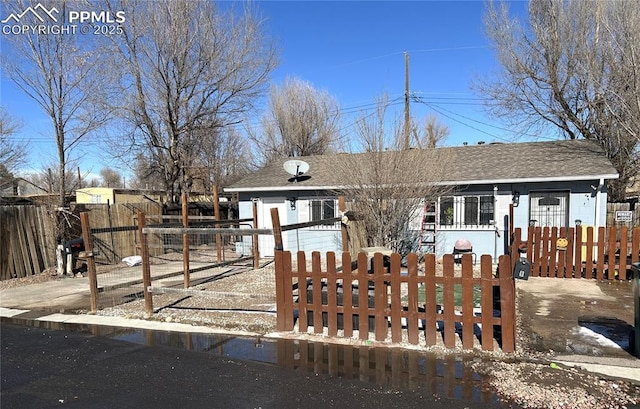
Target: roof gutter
(300, 187)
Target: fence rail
(115, 231)
(399, 305)
(186, 235)
(580, 252)
(201, 251)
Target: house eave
(279, 188)
(298, 187)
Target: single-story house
(557, 183)
(104, 195)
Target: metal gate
(549, 208)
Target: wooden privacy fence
(28, 244)
(400, 305)
(579, 252)
(614, 208)
(114, 228)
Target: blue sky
(354, 50)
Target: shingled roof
(468, 165)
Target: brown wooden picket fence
(401, 303)
(584, 252)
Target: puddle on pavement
(392, 368)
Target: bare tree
(300, 121)
(59, 72)
(224, 158)
(110, 177)
(188, 70)
(13, 153)
(575, 66)
(430, 132)
(387, 185)
(147, 174)
(49, 180)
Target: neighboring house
(199, 204)
(110, 195)
(557, 183)
(19, 187)
(19, 191)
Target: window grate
(466, 211)
(549, 209)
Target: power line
(426, 50)
(344, 111)
(433, 106)
(440, 111)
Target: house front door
(266, 243)
(549, 209)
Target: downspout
(495, 223)
(598, 199)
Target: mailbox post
(522, 269)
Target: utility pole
(406, 100)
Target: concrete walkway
(584, 323)
(73, 293)
(621, 368)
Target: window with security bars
(549, 209)
(322, 209)
(446, 211)
(466, 211)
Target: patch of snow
(132, 260)
(593, 337)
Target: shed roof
(475, 164)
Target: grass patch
(457, 295)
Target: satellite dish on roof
(296, 168)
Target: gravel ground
(537, 385)
(245, 302)
(47, 275)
